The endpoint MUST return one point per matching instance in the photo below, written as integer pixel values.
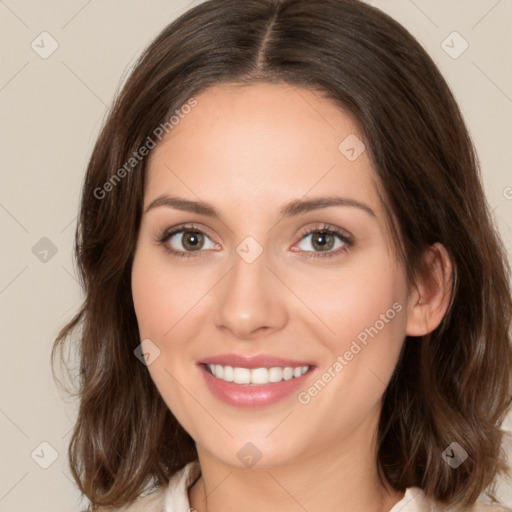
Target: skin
(248, 150)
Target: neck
(342, 478)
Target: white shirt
(174, 498)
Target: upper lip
(254, 361)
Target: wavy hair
(452, 385)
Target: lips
(250, 395)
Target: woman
(295, 295)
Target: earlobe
(428, 303)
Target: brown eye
(192, 240)
(188, 240)
(322, 240)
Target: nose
(251, 301)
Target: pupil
(322, 240)
(192, 240)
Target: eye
(185, 240)
(326, 241)
(190, 240)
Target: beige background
(51, 111)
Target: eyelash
(162, 238)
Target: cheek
(368, 314)
(362, 312)
(161, 296)
(149, 297)
(163, 303)
(367, 306)
(346, 303)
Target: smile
(256, 376)
(254, 381)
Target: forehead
(259, 143)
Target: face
(264, 280)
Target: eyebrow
(290, 209)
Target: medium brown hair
(452, 385)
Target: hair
(451, 385)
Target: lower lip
(250, 395)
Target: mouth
(254, 382)
(256, 376)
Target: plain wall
(51, 111)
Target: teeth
(227, 373)
(288, 373)
(241, 375)
(258, 376)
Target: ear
(428, 303)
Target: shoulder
(152, 502)
(415, 500)
(480, 507)
(172, 497)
